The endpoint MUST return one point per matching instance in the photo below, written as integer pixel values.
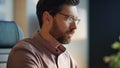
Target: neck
(49, 38)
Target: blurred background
(98, 29)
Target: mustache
(71, 31)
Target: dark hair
(52, 6)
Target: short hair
(52, 6)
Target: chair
(10, 33)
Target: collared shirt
(37, 52)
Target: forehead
(70, 9)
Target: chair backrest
(10, 33)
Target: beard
(61, 37)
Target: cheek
(63, 26)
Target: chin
(65, 40)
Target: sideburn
(55, 31)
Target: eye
(70, 18)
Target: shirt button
(57, 51)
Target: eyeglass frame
(70, 17)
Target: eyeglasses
(71, 19)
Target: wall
(31, 17)
(6, 10)
(20, 15)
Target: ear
(47, 20)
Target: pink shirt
(37, 52)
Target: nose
(73, 25)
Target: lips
(71, 33)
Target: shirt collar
(55, 49)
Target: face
(63, 28)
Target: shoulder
(25, 54)
(23, 48)
(23, 45)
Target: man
(58, 20)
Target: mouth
(71, 33)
